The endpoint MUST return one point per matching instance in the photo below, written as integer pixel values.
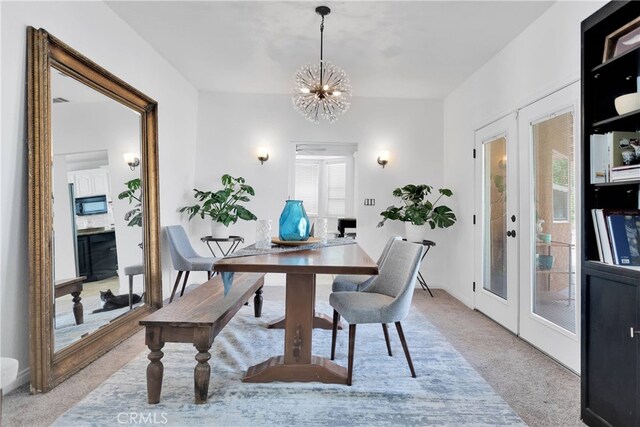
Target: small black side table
(346, 223)
(233, 240)
(428, 244)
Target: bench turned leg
(155, 370)
(78, 313)
(201, 373)
(257, 303)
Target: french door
(526, 230)
(497, 226)
(550, 294)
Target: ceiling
(417, 49)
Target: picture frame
(622, 40)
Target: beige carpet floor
(541, 391)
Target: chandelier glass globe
(321, 91)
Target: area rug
(448, 391)
(66, 331)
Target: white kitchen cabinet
(90, 182)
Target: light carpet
(448, 391)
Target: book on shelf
(625, 173)
(598, 240)
(624, 235)
(617, 236)
(600, 227)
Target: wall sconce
(263, 155)
(383, 158)
(131, 160)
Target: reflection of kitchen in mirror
(99, 269)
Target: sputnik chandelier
(322, 90)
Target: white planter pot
(416, 233)
(219, 230)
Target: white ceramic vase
(219, 230)
(416, 233)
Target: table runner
(251, 250)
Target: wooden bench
(74, 287)
(197, 318)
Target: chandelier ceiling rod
(322, 11)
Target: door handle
(633, 333)
(511, 233)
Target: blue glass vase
(294, 222)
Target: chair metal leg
(175, 286)
(208, 275)
(424, 285)
(386, 338)
(184, 284)
(130, 291)
(336, 320)
(352, 347)
(405, 348)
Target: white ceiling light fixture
(322, 90)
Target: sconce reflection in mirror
(132, 160)
(383, 158)
(263, 155)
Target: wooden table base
(320, 369)
(320, 321)
(298, 363)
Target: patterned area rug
(448, 391)
(66, 331)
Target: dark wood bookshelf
(610, 294)
(633, 182)
(626, 121)
(619, 67)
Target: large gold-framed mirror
(94, 255)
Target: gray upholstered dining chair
(355, 282)
(386, 300)
(132, 270)
(185, 258)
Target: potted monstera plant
(418, 213)
(223, 207)
(134, 195)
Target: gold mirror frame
(44, 51)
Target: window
(336, 189)
(307, 185)
(560, 186)
(323, 186)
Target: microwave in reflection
(91, 205)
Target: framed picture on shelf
(622, 40)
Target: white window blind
(307, 183)
(336, 189)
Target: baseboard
(22, 379)
(466, 301)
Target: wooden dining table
(298, 363)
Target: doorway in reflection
(97, 251)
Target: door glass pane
(495, 215)
(554, 229)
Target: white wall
(94, 30)
(540, 60)
(232, 126)
(65, 260)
